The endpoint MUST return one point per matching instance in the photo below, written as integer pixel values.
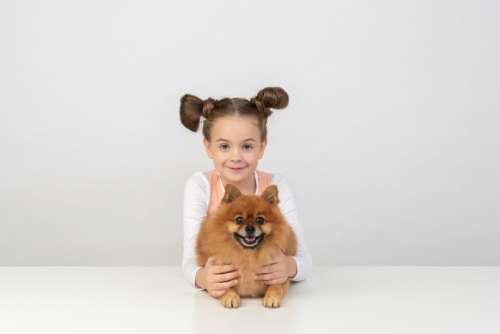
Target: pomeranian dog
(247, 231)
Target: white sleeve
(196, 195)
(289, 210)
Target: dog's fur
(220, 237)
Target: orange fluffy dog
(247, 231)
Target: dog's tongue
(250, 238)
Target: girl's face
(235, 148)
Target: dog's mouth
(249, 241)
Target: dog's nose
(250, 229)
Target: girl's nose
(236, 155)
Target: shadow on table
(209, 316)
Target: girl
(235, 136)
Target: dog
(247, 231)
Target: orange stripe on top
(217, 192)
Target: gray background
(390, 141)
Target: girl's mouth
(236, 169)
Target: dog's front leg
(275, 294)
(230, 299)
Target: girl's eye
(246, 147)
(239, 220)
(259, 220)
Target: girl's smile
(236, 170)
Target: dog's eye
(259, 220)
(239, 220)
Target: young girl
(235, 136)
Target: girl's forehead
(235, 128)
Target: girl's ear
(262, 149)
(207, 149)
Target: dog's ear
(271, 195)
(231, 193)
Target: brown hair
(192, 108)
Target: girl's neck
(247, 187)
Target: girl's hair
(192, 108)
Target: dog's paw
(271, 300)
(230, 300)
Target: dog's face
(251, 218)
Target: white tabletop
(333, 300)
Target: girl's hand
(217, 279)
(278, 271)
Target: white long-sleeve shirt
(196, 201)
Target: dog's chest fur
(248, 262)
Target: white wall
(390, 141)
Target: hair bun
(272, 97)
(190, 111)
(208, 107)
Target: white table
(333, 300)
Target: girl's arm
(196, 194)
(288, 208)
